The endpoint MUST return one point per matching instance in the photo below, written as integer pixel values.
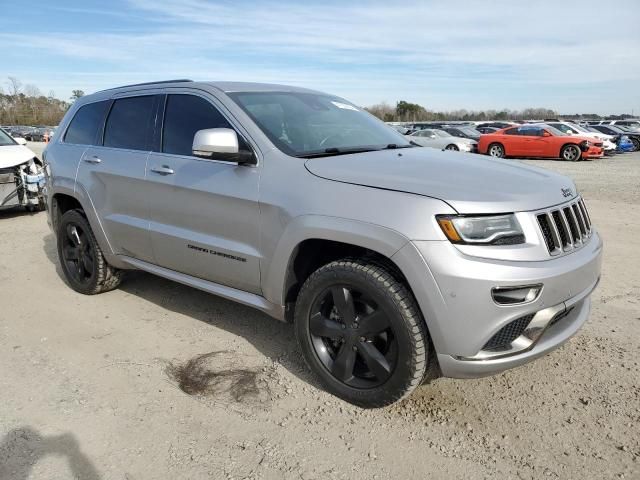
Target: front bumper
(462, 317)
(593, 152)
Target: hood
(12, 155)
(469, 183)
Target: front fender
(382, 240)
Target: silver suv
(396, 263)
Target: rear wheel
(81, 258)
(636, 143)
(361, 332)
(571, 153)
(496, 150)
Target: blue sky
(572, 56)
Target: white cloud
(446, 54)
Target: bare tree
(15, 86)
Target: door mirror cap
(20, 140)
(221, 144)
(546, 134)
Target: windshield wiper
(393, 146)
(330, 152)
(333, 151)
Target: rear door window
(84, 128)
(184, 116)
(130, 123)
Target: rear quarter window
(84, 127)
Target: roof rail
(179, 80)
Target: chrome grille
(565, 228)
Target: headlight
(465, 146)
(483, 230)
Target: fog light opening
(516, 295)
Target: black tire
(571, 153)
(636, 143)
(452, 147)
(496, 150)
(81, 258)
(387, 365)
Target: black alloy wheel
(353, 337)
(361, 332)
(83, 263)
(77, 254)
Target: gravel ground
(94, 387)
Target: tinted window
(512, 131)
(184, 116)
(531, 132)
(84, 127)
(130, 123)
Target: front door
(203, 213)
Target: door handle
(94, 159)
(163, 170)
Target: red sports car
(539, 140)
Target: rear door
(113, 174)
(203, 213)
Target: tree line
(412, 112)
(26, 105)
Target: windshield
(472, 132)
(6, 139)
(554, 131)
(579, 128)
(441, 133)
(302, 124)
(563, 128)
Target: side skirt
(240, 296)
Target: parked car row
(551, 138)
(39, 133)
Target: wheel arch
(311, 241)
(568, 144)
(63, 199)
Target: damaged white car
(21, 175)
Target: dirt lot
(90, 387)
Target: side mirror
(221, 144)
(20, 141)
(546, 134)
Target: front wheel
(571, 153)
(361, 333)
(452, 147)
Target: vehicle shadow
(50, 250)
(23, 447)
(273, 338)
(16, 212)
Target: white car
(574, 129)
(442, 140)
(21, 175)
